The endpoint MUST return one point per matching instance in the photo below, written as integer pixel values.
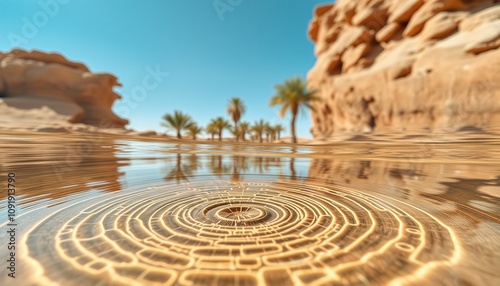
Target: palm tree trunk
(236, 129)
(292, 125)
(220, 135)
(179, 134)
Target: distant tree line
(292, 96)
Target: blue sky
(210, 55)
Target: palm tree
(220, 124)
(270, 132)
(278, 128)
(211, 129)
(236, 132)
(194, 130)
(259, 127)
(244, 128)
(236, 108)
(177, 121)
(292, 95)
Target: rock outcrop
(38, 88)
(396, 65)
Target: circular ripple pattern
(250, 233)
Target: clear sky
(210, 51)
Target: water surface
(98, 210)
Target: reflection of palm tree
(292, 95)
(217, 167)
(177, 173)
(193, 165)
(181, 172)
(260, 164)
(235, 177)
(293, 173)
(273, 162)
(178, 121)
(239, 166)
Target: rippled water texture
(97, 210)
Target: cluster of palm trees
(293, 95)
(259, 131)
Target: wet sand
(96, 209)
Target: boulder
(388, 32)
(475, 20)
(427, 11)
(441, 25)
(353, 55)
(35, 80)
(486, 38)
(405, 10)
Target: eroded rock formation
(37, 88)
(405, 64)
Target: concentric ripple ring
(247, 233)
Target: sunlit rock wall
(405, 64)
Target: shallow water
(97, 210)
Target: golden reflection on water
(100, 210)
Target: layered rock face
(400, 65)
(37, 88)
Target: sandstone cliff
(396, 65)
(37, 88)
